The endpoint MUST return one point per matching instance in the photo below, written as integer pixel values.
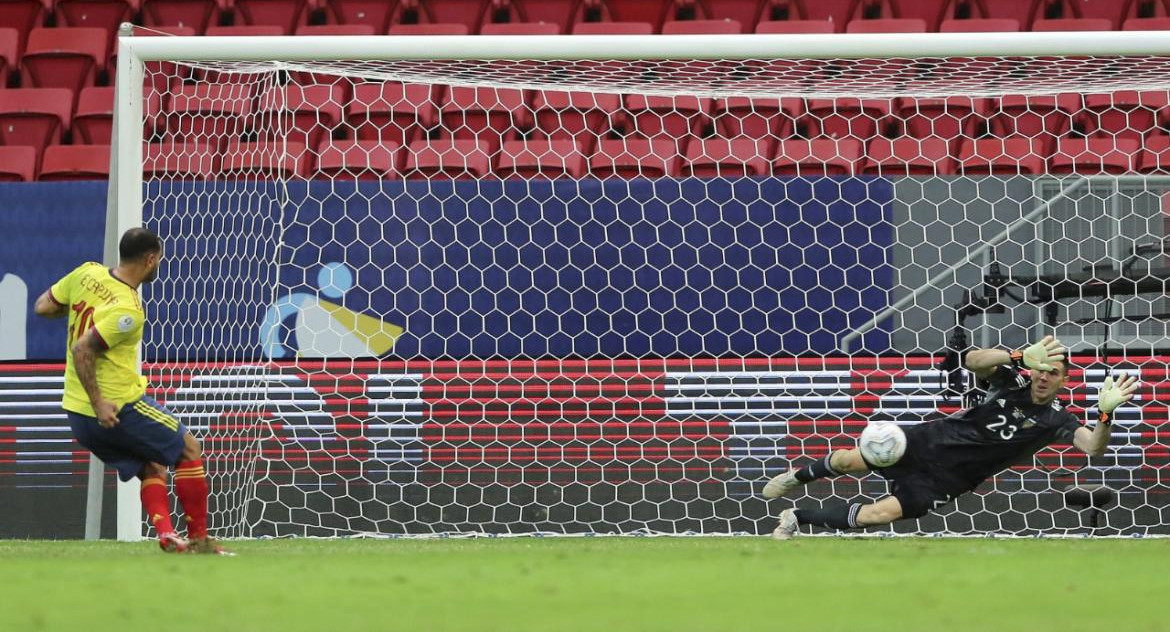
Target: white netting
(616, 295)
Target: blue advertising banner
(614, 268)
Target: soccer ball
(882, 444)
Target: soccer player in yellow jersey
(105, 392)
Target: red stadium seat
(337, 29)
(909, 157)
(580, 116)
(262, 159)
(34, 117)
(983, 25)
(1022, 11)
(94, 119)
(845, 117)
(1155, 155)
(9, 39)
(796, 27)
(563, 13)
(1002, 156)
(75, 162)
(391, 112)
(673, 118)
(491, 115)
(429, 29)
(209, 110)
(64, 57)
(304, 113)
(541, 159)
(1034, 115)
(358, 159)
(1094, 155)
(286, 14)
(817, 157)
(256, 30)
(949, 117)
(23, 16)
(889, 25)
(1117, 11)
(756, 118)
(727, 157)
(469, 13)
(613, 28)
(746, 12)
(196, 14)
(1127, 113)
(181, 160)
(106, 15)
(447, 159)
(1147, 24)
(839, 12)
(17, 163)
(652, 11)
(373, 13)
(700, 27)
(634, 158)
(1072, 24)
(521, 28)
(932, 12)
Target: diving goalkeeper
(953, 455)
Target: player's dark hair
(137, 243)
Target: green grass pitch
(605, 584)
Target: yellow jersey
(98, 300)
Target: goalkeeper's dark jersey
(1006, 428)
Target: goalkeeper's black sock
(840, 516)
(819, 469)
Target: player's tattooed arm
(84, 363)
(48, 307)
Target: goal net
(591, 285)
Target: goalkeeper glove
(1115, 393)
(1042, 354)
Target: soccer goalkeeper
(953, 455)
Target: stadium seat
(667, 117)
(23, 16)
(839, 12)
(470, 13)
(845, 117)
(521, 28)
(34, 117)
(542, 159)
(286, 14)
(491, 115)
(1072, 24)
(1147, 24)
(932, 12)
(428, 29)
(1022, 11)
(64, 57)
(94, 119)
(245, 30)
(180, 160)
(208, 110)
(796, 27)
(358, 159)
(727, 157)
(943, 117)
(305, 113)
(700, 27)
(1118, 12)
(1127, 113)
(909, 157)
(106, 15)
(453, 159)
(1155, 155)
(373, 13)
(196, 14)
(746, 12)
(756, 118)
(651, 11)
(336, 29)
(1033, 115)
(613, 28)
(17, 163)
(634, 158)
(982, 25)
(1002, 156)
(1094, 155)
(889, 25)
(271, 159)
(391, 112)
(75, 162)
(9, 59)
(563, 13)
(580, 116)
(817, 157)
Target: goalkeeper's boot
(208, 546)
(781, 484)
(788, 527)
(171, 543)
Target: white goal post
(673, 417)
